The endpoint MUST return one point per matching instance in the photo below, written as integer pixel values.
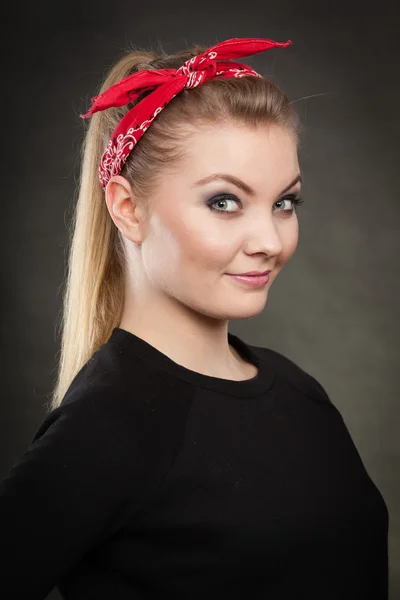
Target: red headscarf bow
(167, 83)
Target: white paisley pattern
(119, 148)
(196, 71)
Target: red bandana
(166, 84)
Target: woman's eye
(223, 199)
(293, 199)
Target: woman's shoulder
(115, 417)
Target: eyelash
(295, 200)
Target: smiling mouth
(252, 280)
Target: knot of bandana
(165, 84)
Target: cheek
(289, 240)
(177, 249)
(196, 241)
(208, 250)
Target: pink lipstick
(252, 280)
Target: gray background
(334, 309)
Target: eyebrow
(239, 183)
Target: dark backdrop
(335, 308)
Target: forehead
(253, 153)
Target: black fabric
(155, 481)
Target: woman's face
(188, 248)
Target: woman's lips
(252, 280)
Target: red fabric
(167, 83)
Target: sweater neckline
(133, 346)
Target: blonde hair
(93, 297)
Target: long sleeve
(66, 492)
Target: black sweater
(154, 481)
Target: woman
(177, 460)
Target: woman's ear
(124, 209)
